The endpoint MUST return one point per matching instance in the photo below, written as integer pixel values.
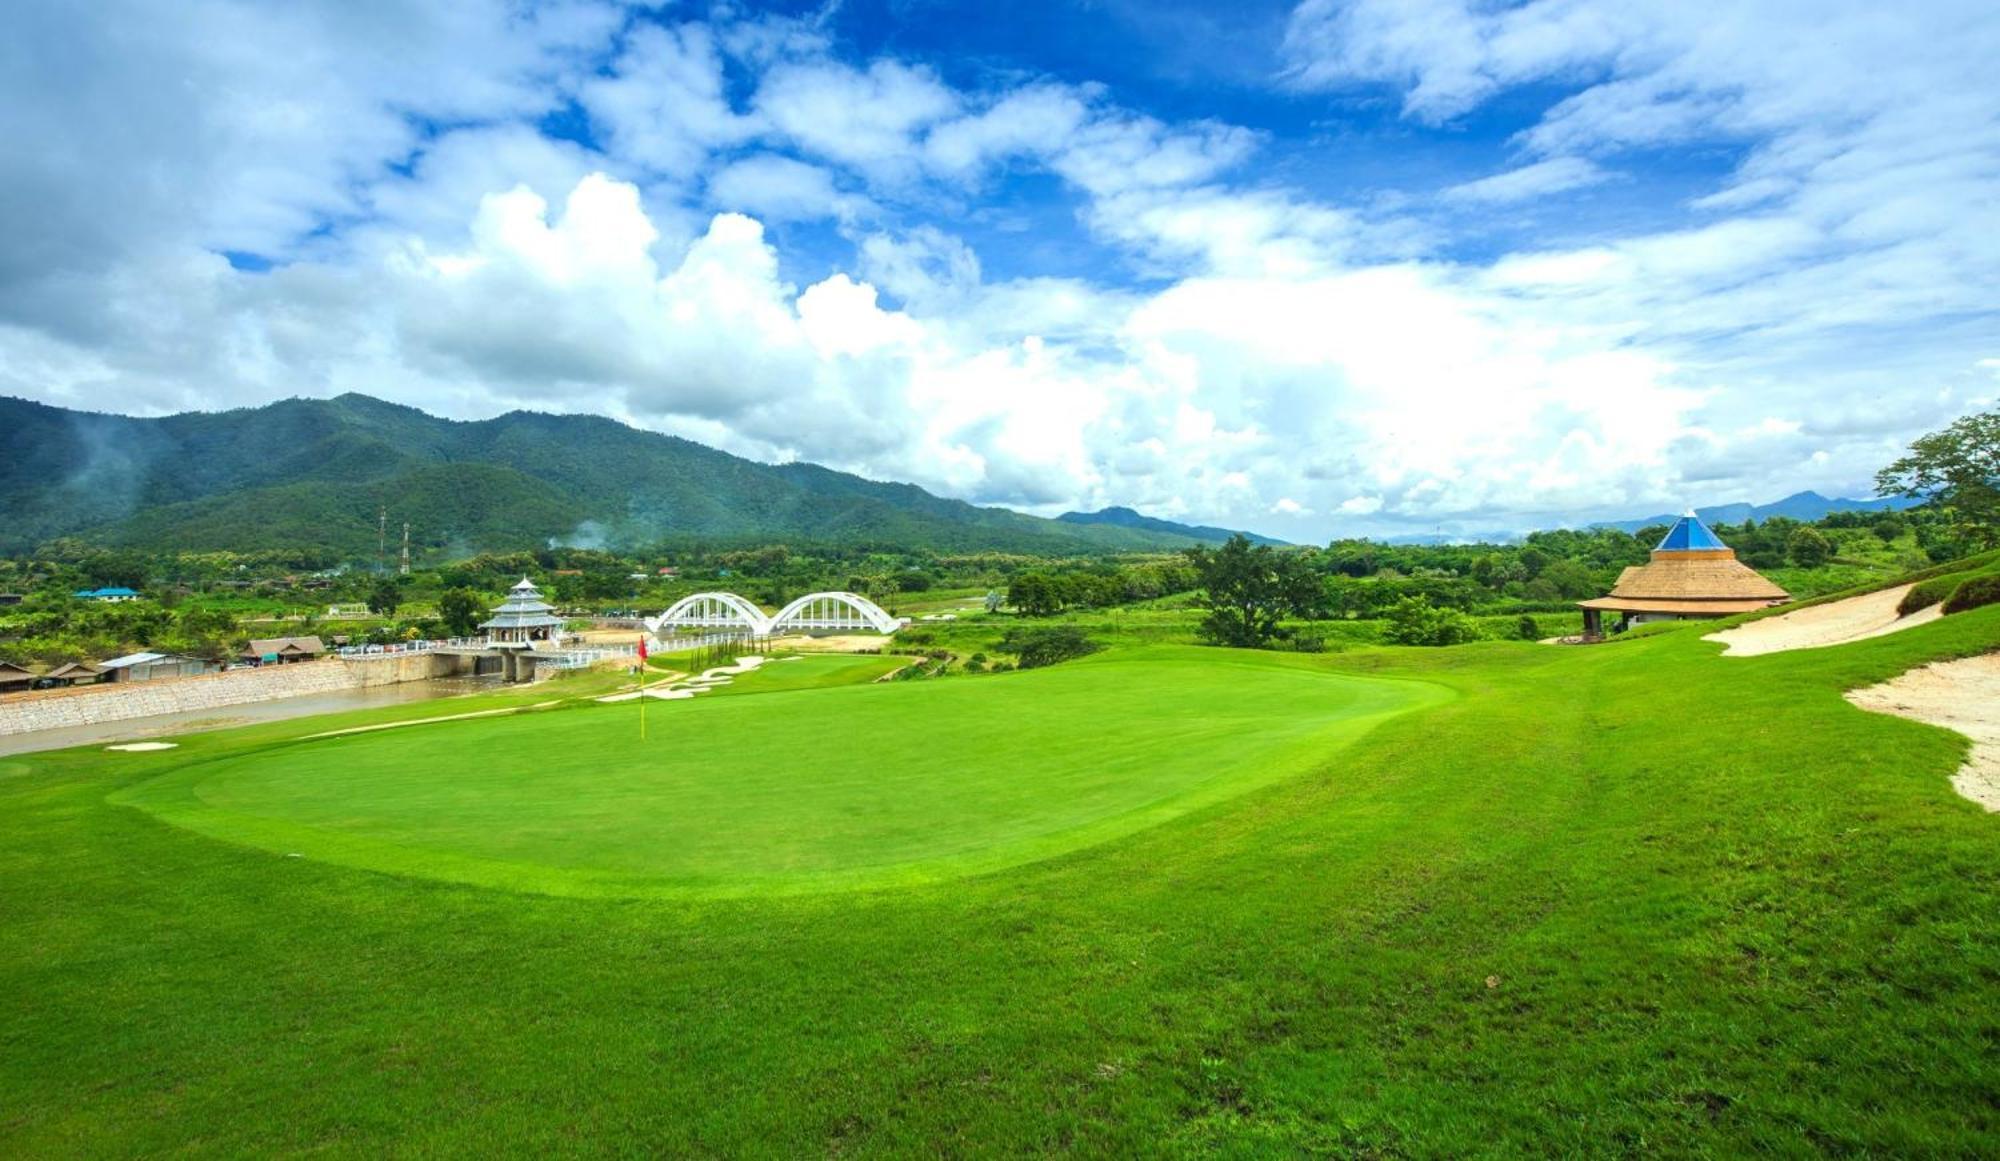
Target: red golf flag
(642, 650)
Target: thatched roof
(1691, 572)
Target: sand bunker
(1854, 619)
(660, 694)
(682, 688)
(854, 643)
(143, 747)
(1958, 695)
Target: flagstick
(642, 689)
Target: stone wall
(90, 704)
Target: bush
(1526, 629)
(1975, 592)
(1924, 594)
(1415, 621)
(1808, 548)
(1048, 645)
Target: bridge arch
(827, 610)
(713, 611)
(832, 610)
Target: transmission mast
(405, 570)
(382, 539)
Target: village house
(74, 673)
(114, 594)
(13, 678)
(281, 650)
(153, 667)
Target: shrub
(1924, 594)
(1808, 548)
(1309, 643)
(1974, 592)
(1048, 645)
(1415, 621)
(1526, 629)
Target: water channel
(228, 717)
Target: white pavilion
(523, 618)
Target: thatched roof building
(1692, 576)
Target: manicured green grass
(840, 787)
(1631, 899)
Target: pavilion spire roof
(1689, 534)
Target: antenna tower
(382, 539)
(405, 569)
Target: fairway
(800, 790)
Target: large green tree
(1035, 594)
(385, 598)
(1956, 470)
(1808, 547)
(460, 611)
(1248, 590)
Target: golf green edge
(890, 761)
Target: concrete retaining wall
(88, 705)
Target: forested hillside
(317, 474)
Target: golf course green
(839, 787)
(1635, 899)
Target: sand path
(1854, 619)
(492, 713)
(1958, 695)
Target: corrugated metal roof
(131, 659)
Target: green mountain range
(1127, 518)
(316, 473)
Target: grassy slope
(1725, 911)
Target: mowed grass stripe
(830, 788)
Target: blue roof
(107, 592)
(1688, 534)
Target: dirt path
(1958, 695)
(1854, 619)
(492, 713)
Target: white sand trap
(1958, 695)
(1854, 619)
(743, 665)
(143, 747)
(660, 694)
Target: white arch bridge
(836, 611)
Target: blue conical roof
(1689, 534)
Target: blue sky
(1327, 268)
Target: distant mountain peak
(1119, 516)
(1804, 506)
